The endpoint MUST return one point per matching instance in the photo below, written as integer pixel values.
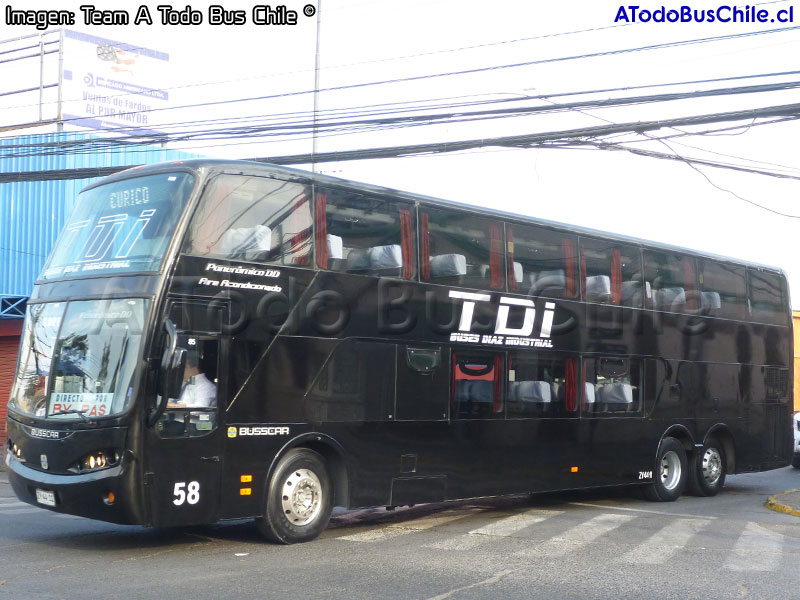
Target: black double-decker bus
(214, 340)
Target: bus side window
(194, 413)
(767, 297)
(543, 262)
(723, 290)
(670, 282)
(364, 235)
(611, 386)
(541, 385)
(477, 389)
(611, 273)
(461, 249)
(252, 219)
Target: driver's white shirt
(199, 392)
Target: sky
(398, 58)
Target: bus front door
(184, 447)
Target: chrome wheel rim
(711, 466)
(670, 470)
(301, 497)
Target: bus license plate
(46, 497)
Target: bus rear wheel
(670, 475)
(707, 469)
(299, 499)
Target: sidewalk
(786, 502)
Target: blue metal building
(33, 211)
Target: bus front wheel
(299, 499)
(670, 475)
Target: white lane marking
(395, 529)
(500, 528)
(641, 510)
(757, 549)
(577, 536)
(489, 581)
(662, 545)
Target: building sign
(110, 84)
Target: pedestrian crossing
(543, 534)
(638, 537)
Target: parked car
(796, 456)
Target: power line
(546, 139)
(660, 46)
(337, 124)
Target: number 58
(184, 493)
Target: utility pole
(316, 91)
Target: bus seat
(533, 391)
(357, 260)
(448, 265)
(481, 391)
(598, 288)
(472, 391)
(518, 272)
(552, 282)
(632, 292)
(709, 300)
(667, 298)
(245, 242)
(335, 246)
(589, 393)
(615, 393)
(385, 257)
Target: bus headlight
(100, 460)
(16, 451)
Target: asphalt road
(603, 544)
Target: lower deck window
(612, 386)
(477, 392)
(541, 385)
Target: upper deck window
(724, 293)
(120, 227)
(542, 262)
(670, 282)
(461, 249)
(611, 273)
(252, 219)
(364, 234)
(767, 297)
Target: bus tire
(707, 469)
(796, 461)
(299, 499)
(670, 474)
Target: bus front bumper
(100, 495)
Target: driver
(198, 391)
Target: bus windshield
(120, 227)
(78, 358)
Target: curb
(773, 503)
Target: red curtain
(322, 231)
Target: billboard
(109, 84)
